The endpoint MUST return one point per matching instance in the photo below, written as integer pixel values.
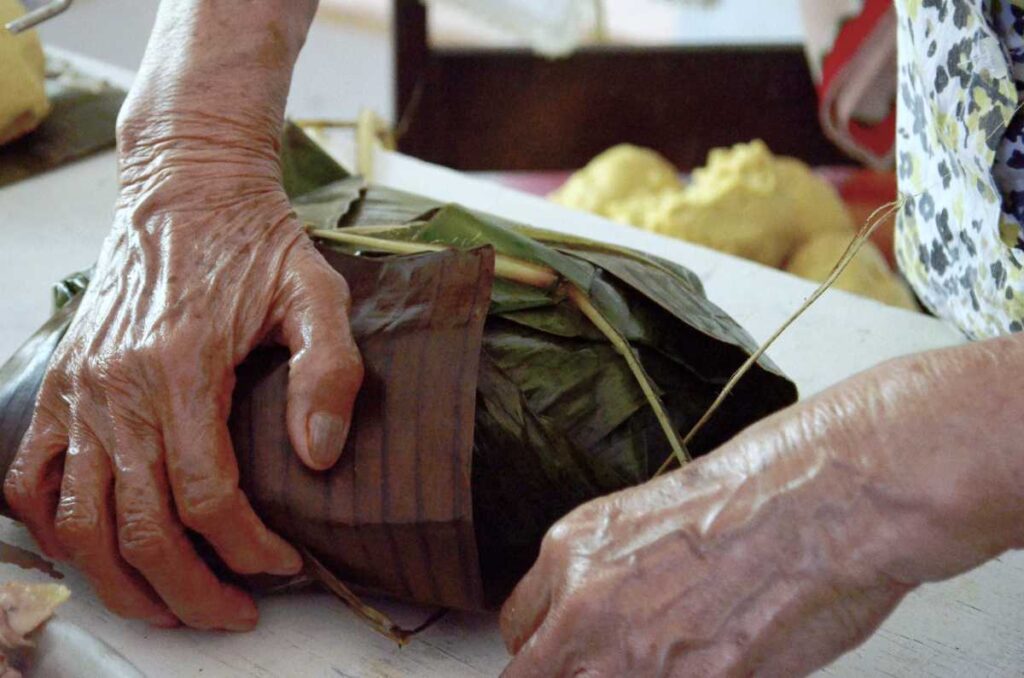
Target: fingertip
(325, 439)
(290, 561)
(321, 400)
(242, 626)
(229, 609)
(246, 620)
(524, 611)
(164, 620)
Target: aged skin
(204, 262)
(769, 557)
(790, 544)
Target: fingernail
(242, 625)
(290, 565)
(247, 622)
(327, 436)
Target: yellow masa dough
(745, 201)
(23, 102)
(867, 275)
(621, 173)
(750, 203)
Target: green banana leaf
(559, 418)
(382, 206)
(325, 206)
(305, 167)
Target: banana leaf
(305, 167)
(81, 122)
(491, 407)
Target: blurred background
(348, 61)
(626, 97)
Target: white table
(972, 626)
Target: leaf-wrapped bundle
(491, 407)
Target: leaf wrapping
(490, 409)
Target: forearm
(795, 540)
(215, 80)
(950, 436)
(915, 468)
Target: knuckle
(76, 526)
(324, 280)
(144, 542)
(337, 368)
(17, 492)
(98, 378)
(115, 380)
(556, 539)
(340, 287)
(341, 368)
(204, 621)
(55, 382)
(208, 504)
(117, 370)
(93, 370)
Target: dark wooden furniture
(507, 109)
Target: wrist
(946, 472)
(214, 80)
(187, 155)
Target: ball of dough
(811, 203)
(867, 275)
(748, 202)
(622, 172)
(734, 204)
(816, 205)
(23, 102)
(732, 219)
(745, 201)
(639, 210)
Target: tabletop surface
(970, 626)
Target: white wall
(757, 21)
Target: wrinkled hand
(129, 449)
(708, 572)
(786, 547)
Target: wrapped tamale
(492, 404)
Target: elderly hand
(129, 450)
(790, 544)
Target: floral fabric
(960, 160)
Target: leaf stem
(582, 302)
(505, 267)
(377, 620)
(375, 244)
(876, 218)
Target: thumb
(325, 371)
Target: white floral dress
(960, 160)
